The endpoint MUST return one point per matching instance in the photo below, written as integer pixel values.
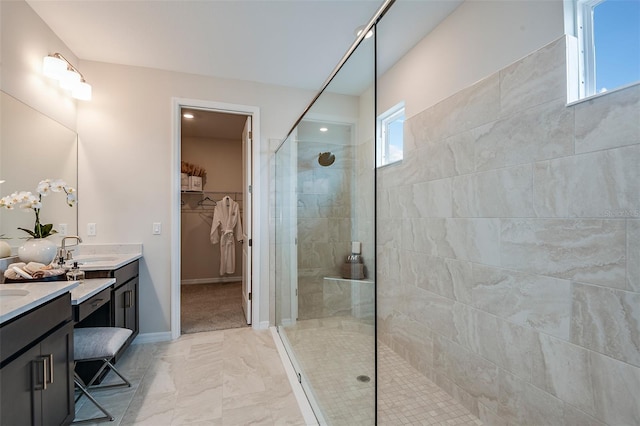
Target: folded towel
(33, 267)
(45, 273)
(36, 270)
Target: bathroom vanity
(36, 355)
(36, 335)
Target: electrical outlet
(157, 228)
(62, 229)
(91, 229)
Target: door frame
(176, 108)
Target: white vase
(38, 250)
(5, 249)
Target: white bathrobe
(226, 216)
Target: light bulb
(69, 79)
(82, 91)
(53, 67)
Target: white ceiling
(294, 43)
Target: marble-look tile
(542, 303)
(601, 184)
(426, 199)
(538, 78)
(539, 133)
(633, 255)
(258, 414)
(469, 108)
(158, 410)
(616, 387)
(410, 339)
(319, 255)
(497, 193)
(505, 344)
(608, 121)
(591, 251)
(452, 156)
(575, 417)
(608, 321)
(521, 403)
(475, 240)
(563, 370)
(427, 272)
(198, 405)
(471, 372)
(433, 311)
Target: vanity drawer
(21, 332)
(92, 304)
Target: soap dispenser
(75, 274)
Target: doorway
(212, 279)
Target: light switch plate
(157, 228)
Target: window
(608, 34)
(390, 135)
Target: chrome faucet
(64, 254)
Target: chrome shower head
(326, 159)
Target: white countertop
(102, 262)
(88, 288)
(39, 293)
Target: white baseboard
(298, 392)
(211, 280)
(263, 325)
(164, 336)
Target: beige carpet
(208, 307)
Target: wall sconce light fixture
(56, 66)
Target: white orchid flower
(58, 185)
(44, 187)
(71, 199)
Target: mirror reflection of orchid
(27, 200)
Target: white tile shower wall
(509, 248)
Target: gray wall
(508, 248)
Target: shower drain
(363, 378)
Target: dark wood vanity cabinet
(124, 299)
(36, 377)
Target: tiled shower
(507, 264)
(514, 283)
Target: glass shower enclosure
(325, 250)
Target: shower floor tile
(333, 352)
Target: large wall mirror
(34, 147)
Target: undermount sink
(12, 293)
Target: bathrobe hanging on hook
(226, 224)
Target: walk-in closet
(212, 208)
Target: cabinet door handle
(49, 359)
(96, 303)
(128, 298)
(36, 384)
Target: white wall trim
(298, 392)
(259, 248)
(195, 281)
(163, 336)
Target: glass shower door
(325, 251)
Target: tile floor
(235, 377)
(226, 377)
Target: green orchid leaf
(33, 234)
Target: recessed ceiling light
(323, 129)
(187, 115)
